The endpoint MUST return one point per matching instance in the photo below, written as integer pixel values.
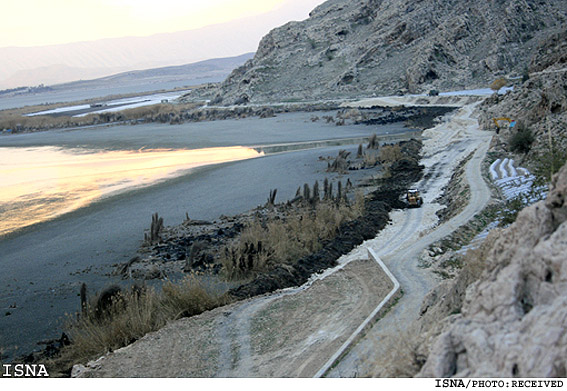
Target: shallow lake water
(41, 183)
(43, 265)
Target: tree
(498, 84)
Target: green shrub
(521, 141)
(550, 160)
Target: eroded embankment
(351, 234)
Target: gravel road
(294, 332)
(412, 231)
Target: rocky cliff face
(352, 48)
(514, 318)
(539, 103)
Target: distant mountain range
(212, 70)
(30, 66)
(131, 82)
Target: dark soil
(376, 215)
(415, 117)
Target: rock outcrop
(513, 322)
(348, 48)
(539, 103)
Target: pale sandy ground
(294, 333)
(288, 334)
(413, 101)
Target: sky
(56, 41)
(30, 23)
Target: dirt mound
(415, 117)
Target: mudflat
(43, 266)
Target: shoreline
(114, 246)
(375, 217)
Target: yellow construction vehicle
(509, 120)
(413, 198)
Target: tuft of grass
(129, 316)
(264, 245)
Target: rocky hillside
(505, 315)
(513, 320)
(352, 48)
(539, 104)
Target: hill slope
(511, 322)
(349, 48)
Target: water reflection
(38, 184)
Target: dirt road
(294, 332)
(287, 334)
(411, 233)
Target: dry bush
(388, 154)
(262, 246)
(186, 298)
(498, 84)
(130, 316)
(370, 159)
(340, 164)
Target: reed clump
(117, 317)
(296, 232)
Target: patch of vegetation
(550, 160)
(521, 141)
(115, 318)
(281, 240)
(498, 84)
(17, 121)
(154, 234)
(510, 212)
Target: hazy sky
(47, 22)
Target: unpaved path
(294, 332)
(410, 234)
(291, 333)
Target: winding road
(295, 331)
(409, 237)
